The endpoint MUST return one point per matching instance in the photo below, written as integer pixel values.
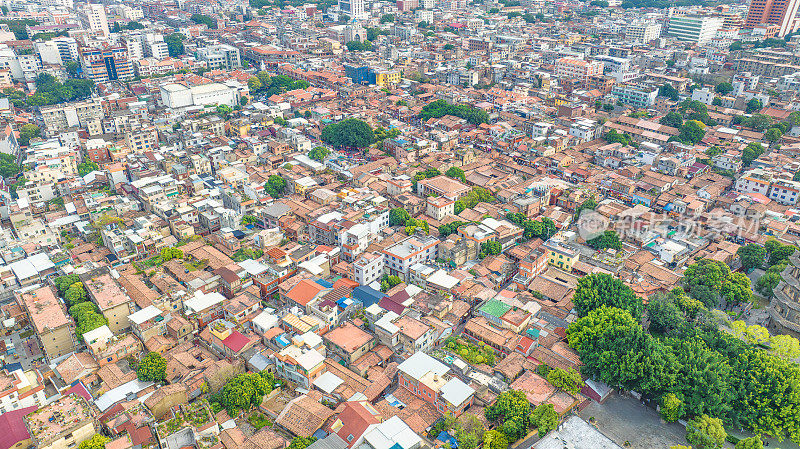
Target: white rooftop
(328, 382)
(421, 364)
(148, 313)
(456, 392)
(201, 301)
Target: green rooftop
(495, 308)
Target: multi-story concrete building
(62, 424)
(220, 56)
(93, 18)
(429, 379)
(775, 12)
(637, 96)
(696, 29)
(352, 8)
(643, 31)
(113, 302)
(400, 257)
(579, 69)
(54, 330)
(368, 268)
(109, 63)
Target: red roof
(355, 419)
(80, 390)
(236, 341)
(304, 291)
(13, 426)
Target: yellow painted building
(561, 256)
(386, 77)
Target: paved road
(624, 418)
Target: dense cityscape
(409, 224)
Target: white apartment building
(93, 18)
(785, 192)
(368, 268)
(697, 29)
(400, 257)
(643, 32)
(353, 8)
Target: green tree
(388, 282)
(152, 367)
(75, 293)
(752, 256)
(319, 153)
(664, 314)
(301, 442)
(456, 173)
(590, 204)
(28, 132)
(716, 101)
(705, 432)
(565, 380)
(440, 108)
(544, 418)
(597, 290)
(490, 248)
(785, 346)
(63, 283)
(513, 410)
(87, 167)
(750, 443)
(348, 133)
(275, 186)
(766, 284)
(778, 253)
(174, 43)
(387, 18)
(606, 240)
(753, 105)
(773, 135)
(204, 20)
(243, 391)
(724, 88)
(398, 217)
(671, 407)
(170, 253)
(702, 383)
(704, 280)
(751, 152)
(97, 441)
(494, 439)
(666, 90)
(88, 322)
(673, 119)
(692, 132)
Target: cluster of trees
(267, 85)
(612, 136)
(751, 152)
(301, 442)
(456, 173)
(712, 283)
(382, 133)
(774, 255)
(275, 186)
(48, 35)
(512, 412)
(532, 228)
(412, 224)
(244, 391)
(128, 26)
(175, 44)
(319, 153)
(373, 33)
(50, 91)
(388, 282)
(400, 217)
(490, 248)
(359, 46)
(170, 253)
(205, 20)
(759, 122)
(348, 133)
(450, 228)
(471, 199)
(84, 168)
(8, 166)
(691, 132)
(245, 253)
(26, 133)
(608, 239)
(19, 27)
(685, 362)
(152, 367)
(440, 108)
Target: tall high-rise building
(93, 18)
(773, 12)
(353, 8)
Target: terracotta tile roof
(304, 415)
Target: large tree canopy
(597, 290)
(349, 133)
